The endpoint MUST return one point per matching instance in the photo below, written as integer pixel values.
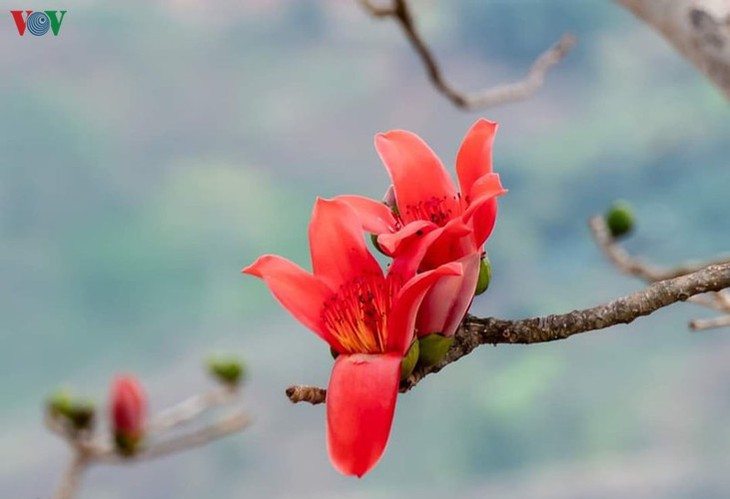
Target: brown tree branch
(87, 450)
(475, 331)
(698, 29)
(400, 11)
(635, 267)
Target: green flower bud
(334, 353)
(227, 370)
(433, 347)
(409, 361)
(620, 218)
(485, 275)
(60, 403)
(79, 413)
(82, 414)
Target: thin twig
(232, 423)
(501, 94)
(191, 408)
(475, 331)
(88, 450)
(645, 271)
(715, 322)
(71, 479)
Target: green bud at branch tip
(620, 219)
(227, 370)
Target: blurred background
(153, 149)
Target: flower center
(436, 210)
(357, 316)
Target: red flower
(127, 408)
(424, 198)
(367, 317)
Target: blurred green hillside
(153, 149)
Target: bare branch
(88, 450)
(306, 393)
(229, 425)
(71, 480)
(502, 94)
(635, 267)
(698, 29)
(377, 11)
(192, 408)
(476, 331)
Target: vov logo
(39, 22)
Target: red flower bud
(127, 408)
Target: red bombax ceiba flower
(366, 316)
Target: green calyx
(485, 276)
(78, 412)
(432, 348)
(409, 361)
(127, 445)
(228, 370)
(620, 219)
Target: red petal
(337, 244)
(417, 173)
(360, 407)
(474, 158)
(298, 291)
(446, 303)
(402, 319)
(455, 241)
(128, 406)
(391, 243)
(482, 210)
(374, 216)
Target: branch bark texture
(475, 331)
(400, 11)
(698, 29)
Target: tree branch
(88, 451)
(71, 479)
(698, 29)
(635, 267)
(501, 94)
(476, 331)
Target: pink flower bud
(127, 408)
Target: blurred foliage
(140, 172)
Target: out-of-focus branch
(87, 450)
(635, 267)
(233, 423)
(71, 480)
(698, 29)
(191, 408)
(400, 11)
(475, 331)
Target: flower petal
(391, 242)
(455, 241)
(419, 178)
(482, 210)
(374, 216)
(337, 244)
(128, 405)
(448, 300)
(360, 407)
(474, 158)
(298, 291)
(402, 319)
